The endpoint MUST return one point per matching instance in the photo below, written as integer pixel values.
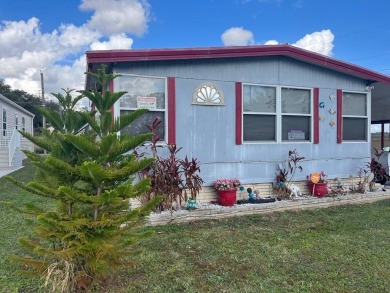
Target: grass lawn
(341, 249)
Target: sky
(52, 36)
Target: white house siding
(208, 132)
(13, 110)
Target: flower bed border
(266, 208)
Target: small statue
(338, 189)
(293, 190)
(254, 197)
(251, 195)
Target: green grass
(342, 249)
(13, 227)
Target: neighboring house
(13, 118)
(239, 110)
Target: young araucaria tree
(91, 231)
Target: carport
(380, 106)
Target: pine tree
(92, 230)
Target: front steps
(16, 163)
(4, 158)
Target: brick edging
(255, 209)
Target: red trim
(171, 111)
(238, 113)
(339, 116)
(231, 52)
(316, 100)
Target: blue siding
(208, 132)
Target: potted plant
(227, 191)
(317, 184)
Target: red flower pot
(318, 189)
(227, 197)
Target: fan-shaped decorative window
(208, 94)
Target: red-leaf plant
(170, 176)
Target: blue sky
(53, 36)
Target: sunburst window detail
(208, 94)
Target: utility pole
(43, 104)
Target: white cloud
(76, 37)
(271, 42)
(15, 36)
(26, 51)
(237, 36)
(318, 42)
(118, 16)
(115, 42)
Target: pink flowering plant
(226, 184)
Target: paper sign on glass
(146, 103)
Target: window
(259, 110)
(143, 93)
(355, 120)
(4, 122)
(23, 123)
(208, 94)
(296, 114)
(276, 114)
(16, 121)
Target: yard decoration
(284, 186)
(317, 184)
(191, 203)
(254, 198)
(366, 181)
(91, 232)
(338, 188)
(227, 191)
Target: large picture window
(143, 93)
(276, 114)
(355, 120)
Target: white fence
(5, 137)
(14, 144)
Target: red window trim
(339, 116)
(316, 99)
(171, 110)
(238, 112)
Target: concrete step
(4, 158)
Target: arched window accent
(208, 94)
